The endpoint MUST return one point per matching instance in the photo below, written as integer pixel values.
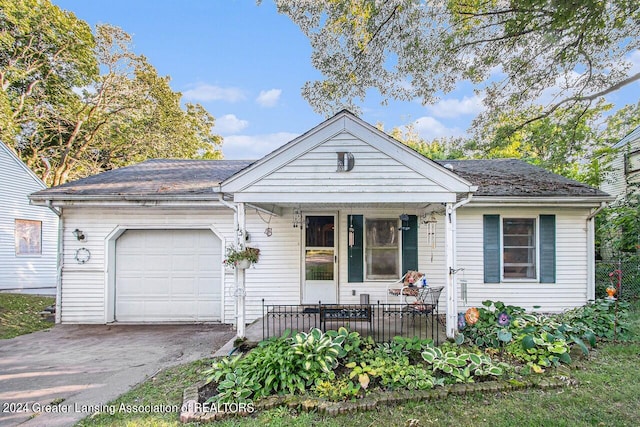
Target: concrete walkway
(84, 367)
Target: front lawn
(19, 314)
(604, 389)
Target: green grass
(19, 314)
(605, 391)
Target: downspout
(452, 290)
(59, 261)
(591, 253)
(238, 276)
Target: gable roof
(331, 131)
(634, 134)
(21, 165)
(152, 179)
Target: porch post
(240, 275)
(452, 295)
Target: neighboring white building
(342, 210)
(625, 166)
(28, 234)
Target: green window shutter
(410, 245)
(356, 252)
(547, 249)
(491, 241)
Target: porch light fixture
(78, 234)
(297, 218)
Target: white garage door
(168, 276)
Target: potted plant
(241, 257)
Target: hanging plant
(236, 257)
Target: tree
(436, 149)
(116, 112)
(519, 52)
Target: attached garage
(168, 276)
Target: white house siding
(32, 273)
(570, 289)
(276, 277)
(375, 172)
(614, 182)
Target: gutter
(59, 261)
(597, 211)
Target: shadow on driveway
(85, 366)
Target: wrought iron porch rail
(380, 321)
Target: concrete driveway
(84, 367)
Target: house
(625, 166)
(28, 234)
(340, 211)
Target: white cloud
(254, 146)
(229, 123)
(205, 92)
(269, 98)
(450, 108)
(429, 128)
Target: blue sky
(246, 64)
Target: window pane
(319, 264)
(519, 248)
(319, 231)
(28, 237)
(382, 249)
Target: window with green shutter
(510, 248)
(491, 250)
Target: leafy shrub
(318, 352)
(460, 367)
(601, 319)
(341, 389)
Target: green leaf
(565, 358)
(580, 344)
(528, 342)
(459, 339)
(504, 335)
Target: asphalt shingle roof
(154, 178)
(512, 177)
(159, 178)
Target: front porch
(381, 321)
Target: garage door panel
(168, 275)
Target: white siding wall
(614, 181)
(315, 172)
(275, 277)
(33, 273)
(570, 289)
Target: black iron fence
(624, 273)
(380, 321)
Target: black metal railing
(380, 321)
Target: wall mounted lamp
(78, 234)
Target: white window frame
(536, 226)
(366, 249)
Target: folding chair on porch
(426, 302)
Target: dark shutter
(356, 252)
(491, 242)
(547, 249)
(410, 245)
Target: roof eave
(546, 201)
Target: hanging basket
(243, 264)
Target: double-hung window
(380, 249)
(519, 248)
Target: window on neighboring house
(519, 249)
(28, 237)
(382, 248)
